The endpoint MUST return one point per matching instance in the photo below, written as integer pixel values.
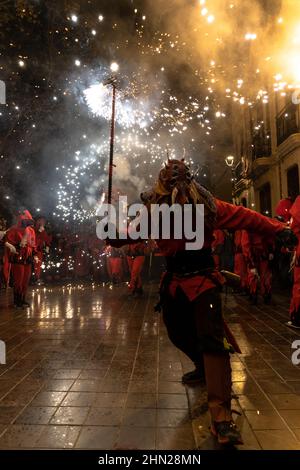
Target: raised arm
(232, 217)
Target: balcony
(261, 145)
(288, 122)
(261, 149)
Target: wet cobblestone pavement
(89, 368)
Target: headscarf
(176, 185)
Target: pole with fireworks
(112, 81)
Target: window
(261, 138)
(293, 181)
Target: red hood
(283, 209)
(25, 215)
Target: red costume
(283, 209)
(135, 259)
(217, 246)
(258, 252)
(295, 302)
(43, 242)
(20, 240)
(228, 217)
(6, 266)
(240, 265)
(114, 264)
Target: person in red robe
(258, 252)
(135, 255)
(190, 289)
(295, 302)
(114, 257)
(21, 242)
(43, 242)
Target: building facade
(266, 140)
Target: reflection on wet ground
(89, 368)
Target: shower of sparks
(81, 192)
(128, 114)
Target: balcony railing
(288, 122)
(261, 145)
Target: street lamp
(229, 160)
(114, 67)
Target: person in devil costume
(258, 251)
(20, 241)
(190, 288)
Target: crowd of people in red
(256, 256)
(30, 254)
(23, 247)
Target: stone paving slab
(90, 368)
